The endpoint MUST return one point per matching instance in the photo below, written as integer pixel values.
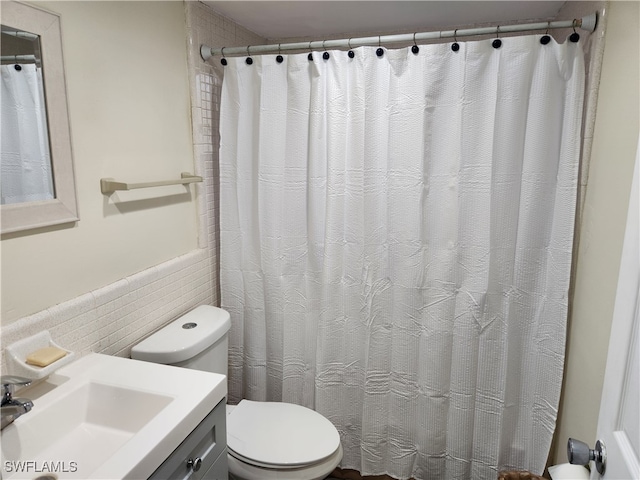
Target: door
(619, 419)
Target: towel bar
(109, 185)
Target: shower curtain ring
(415, 49)
(455, 46)
(351, 53)
(574, 37)
(545, 39)
(249, 60)
(279, 58)
(497, 43)
(379, 51)
(310, 56)
(223, 61)
(325, 55)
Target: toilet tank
(198, 340)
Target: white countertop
(152, 408)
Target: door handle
(579, 453)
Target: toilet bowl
(265, 440)
(272, 440)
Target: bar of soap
(45, 356)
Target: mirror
(25, 160)
(36, 162)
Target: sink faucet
(10, 407)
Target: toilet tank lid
(185, 337)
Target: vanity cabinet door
(219, 470)
(198, 453)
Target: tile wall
(111, 319)
(205, 27)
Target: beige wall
(128, 91)
(115, 316)
(601, 233)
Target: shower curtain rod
(19, 59)
(21, 34)
(587, 23)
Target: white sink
(88, 424)
(107, 417)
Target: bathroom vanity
(203, 454)
(110, 417)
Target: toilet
(265, 440)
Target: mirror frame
(63, 208)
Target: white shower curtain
(25, 164)
(396, 239)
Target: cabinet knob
(194, 464)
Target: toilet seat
(239, 470)
(279, 435)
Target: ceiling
(317, 18)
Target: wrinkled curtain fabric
(25, 164)
(396, 237)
